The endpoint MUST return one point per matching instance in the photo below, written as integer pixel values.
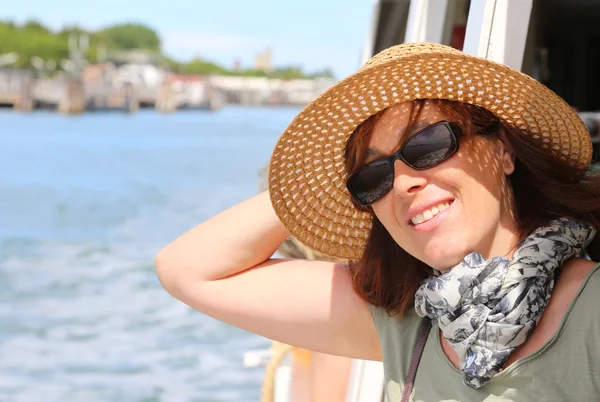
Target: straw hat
(307, 174)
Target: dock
(126, 88)
(16, 89)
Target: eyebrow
(416, 128)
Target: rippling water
(86, 202)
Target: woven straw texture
(307, 174)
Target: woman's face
(441, 214)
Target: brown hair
(544, 188)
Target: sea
(86, 202)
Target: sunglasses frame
(453, 129)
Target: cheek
(482, 207)
(480, 163)
(484, 212)
(384, 210)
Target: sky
(316, 34)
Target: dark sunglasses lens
(430, 147)
(371, 182)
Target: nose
(408, 181)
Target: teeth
(429, 214)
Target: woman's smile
(431, 217)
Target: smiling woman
(460, 192)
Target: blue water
(86, 202)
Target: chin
(443, 266)
(444, 256)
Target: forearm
(237, 239)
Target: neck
(504, 241)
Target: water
(86, 202)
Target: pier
(16, 89)
(128, 88)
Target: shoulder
(397, 337)
(407, 318)
(392, 329)
(576, 270)
(579, 281)
(572, 279)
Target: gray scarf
(487, 308)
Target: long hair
(544, 187)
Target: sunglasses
(425, 149)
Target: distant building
(263, 61)
(268, 91)
(141, 70)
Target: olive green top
(566, 368)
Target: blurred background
(124, 124)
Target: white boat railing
(426, 21)
(497, 30)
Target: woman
(461, 191)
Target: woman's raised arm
(223, 268)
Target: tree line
(33, 40)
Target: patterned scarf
(487, 308)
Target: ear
(507, 152)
